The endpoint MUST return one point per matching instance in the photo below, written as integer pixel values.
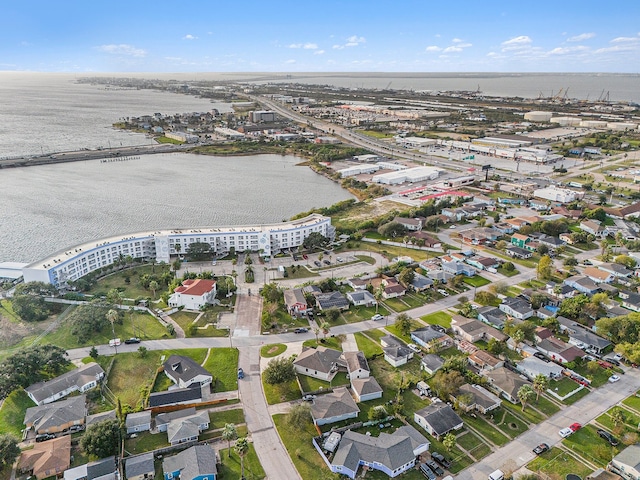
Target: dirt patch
(12, 332)
(273, 349)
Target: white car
(377, 316)
(565, 432)
(613, 378)
(452, 226)
(413, 347)
(442, 292)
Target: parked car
(305, 256)
(613, 378)
(438, 457)
(240, 373)
(308, 398)
(565, 432)
(295, 257)
(543, 447)
(613, 361)
(426, 471)
(317, 263)
(114, 342)
(301, 330)
(443, 292)
(575, 427)
(541, 356)
(439, 328)
(435, 467)
(339, 259)
(414, 348)
(377, 316)
(608, 437)
(326, 262)
(452, 226)
(44, 437)
(131, 340)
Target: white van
(497, 475)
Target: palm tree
(525, 392)
(153, 286)
(617, 417)
(378, 295)
(316, 331)
(324, 326)
(242, 448)
(112, 316)
(229, 433)
(540, 384)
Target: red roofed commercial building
(193, 294)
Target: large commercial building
(75, 262)
(411, 175)
(555, 194)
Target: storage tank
(566, 121)
(538, 116)
(621, 126)
(593, 123)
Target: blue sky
(321, 36)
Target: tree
(525, 394)
(377, 413)
(102, 439)
(299, 415)
(508, 266)
(112, 316)
(447, 383)
(115, 297)
(229, 433)
(540, 384)
(377, 293)
(325, 327)
(625, 260)
(617, 416)
(570, 261)
(279, 370)
(449, 441)
(403, 323)
(153, 286)
(242, 448)
(30, 308)
(87, 320)
(406, 276)
(332, 314)
(392, 230)
(93, 353)
(315, 240)
(9, 449)
(545, 268)
(142, 351)
(198, 250)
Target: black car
(438, 457)
(317, 263)
(301, 330)
(435, 467)
(326, 262)
(543, 447)
(44, 437)
(439, 328)
(608, 437)
(541, 356)
(613, 361)
(131, 340)
(295, 257)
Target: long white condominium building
(75, 262)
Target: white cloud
(581, 37)
(337, 47)
(433, 48)
(306, 46)
(457, 47)
(290, 61)
(318, 52)
(567, 50)
(452, 49)
(122, 49)
(626, 39)
(352, 41)
(189, 37)
(516, 43)
(456, 40)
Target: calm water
(44, 209)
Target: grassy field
(310, 384)
(131, 289)
(223, 365)
(358, 314)
(230, 467)
(633, 402)
(476, 281)
(590, 446)
(272, 350)
(283, 392)
(219, 419)
(557, 464)
(438, 318)
(486, 429)
(184, 319)
(146, 442)
(329, 342)
(407, 338)
(367, 345)
(12, 412)
(297, 441)
(471, 443)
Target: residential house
(187, 428)
(627, 463)
(358, 283)
(532, 367)
(516, 223)
(325, 301)
(47, 459)
(357, 366)
(178, 396)
(585, 339)
(479, 235)
(440, 275)
(320, 362)
(484, 361)
(547, 311)
(334, 407)
(103, 469)
(438, 419)
(163, 420)
(597, 275)
(483, 263)
(429, 240)
(184, 372)
(392, 289)
(475, 397)
(397, 355)
(194, 294)
(566, 238)
(602, 474)
(194, 463)
(492, 316)
(517, 252)
(457, 268)
(295, 301)
(140, 467)
(420, 283)
(138, 422)
(582, 284)
(99, 417)
(411, 224)
(626, 212)
(594, 227)
(549, 241)
(559, 351)
(427, 336)
(362, 297)
(505, 383)
(615, 269)
(516, 308)
(58, 416)
(431, 363)
(365, 389)
(392, 454)
(630, 301)
(79, 379)
(559, 291)
(520, 240)
(473, 330)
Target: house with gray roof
(615, 269)
(325, 301)
(492, 316)
(559, 351)
(58, 416)
(392, 341)
(140, 467)
(582, 284)
(427, 335)
(585, 339)
(103, 469)
(397, 355)
(320, 362)
(630, 301)
(366, 389)
(334, 407)
(627, 462)
(184, 372)
(438, 419)
(516, 308)
(186, 429)
(532, 367)
(392, 454)
(195, 463)
(357, 366)
(473, 330)
(505, 383)
(475, 397)
(457, 268)
(420, 283)
(177, 396)
(431, 363)
(100, 417)
(362, 297)
(80, 379)
(138, 422)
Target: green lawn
(546, 406)
(563, 386)
(557, 464)
(508, 423)
(358, 314)
(219, 419)
(12, 412)
(310, 384)
(396, 304)
(476, 281)
(132, 289)
(438, 318)
(223, 365)
(230, 467)
(283, 392)
(146, 442)
(473, 445)
(376, 333)
(184, 319)
(272, 350)
(507, 273)
(407, 338)
(529, 414)
(486, 429)
(367, 345)
(329, 342)
(633, 401)
(590, 446)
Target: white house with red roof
(193, 294)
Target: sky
(321, 36)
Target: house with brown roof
(334, 407)
(320, 362)
(473, 330)
(598, 276)
(484, 361)
(365, 389)
(559, 351)
(47, 459)
(594, 227)
(505, 383)
(295, 301)
(475, 397)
